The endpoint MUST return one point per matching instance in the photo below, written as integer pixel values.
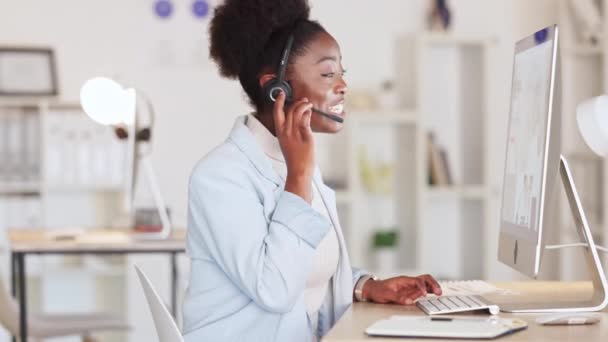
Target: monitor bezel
(518, 249)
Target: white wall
(168, 59)
(196, 108)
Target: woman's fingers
(279, 112)
(408, 296)
(413, 282)
(305, 129)
(299, 119)
(431, 284)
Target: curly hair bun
(240, 29)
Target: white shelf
(384, 117)
(448, 38)
(467, 192)
(19, 187)
(37, 102)
(583, 51)
(89, 266)
(344, 197)
(83, 188)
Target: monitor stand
(598, 299)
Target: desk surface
(98, 241)
(361, 315)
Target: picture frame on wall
(27, 71)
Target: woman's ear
(265, 78)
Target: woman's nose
(342, 87)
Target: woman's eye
(332, 74)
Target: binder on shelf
(439, 173)
(81, 154)
(14, 145)
(4, 165)
(31, 122)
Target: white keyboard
(454, 304)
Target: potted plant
(385, 249)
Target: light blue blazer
(251, 246)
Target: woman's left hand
(400, 290)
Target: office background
(167, 59)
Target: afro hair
(248, 36)
(240, 29)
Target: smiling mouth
(337, 109)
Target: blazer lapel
(243, 139)
(342, 282)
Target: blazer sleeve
(269, 261)
(357, 273)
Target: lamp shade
(592, 117)
(107, 102)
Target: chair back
(166, 328)
(9, 310)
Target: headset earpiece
(273, 87)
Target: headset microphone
(329, 116)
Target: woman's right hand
(297, 144)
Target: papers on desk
(472, 288)
(83, 237)
(446, 327)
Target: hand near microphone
(297, 144)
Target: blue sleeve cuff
(357, 274)
(297, 215)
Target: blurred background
(417, 169)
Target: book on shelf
(446, 166)
(439, 172)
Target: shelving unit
(375, 172)
(60, 150)
(381, 165)
(584, 75)
(452, 94)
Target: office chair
(166, 328)
(55, 325)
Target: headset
(272, 88)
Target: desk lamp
(592, 117)
(106, 102)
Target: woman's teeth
(337, 109)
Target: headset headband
(284, 58)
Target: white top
(325, 260)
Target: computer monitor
(533, 148)
(532, 166)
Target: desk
(102, 242)
(352, 325)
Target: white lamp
(592, 118)
(108, 103)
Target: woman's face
(319, 76)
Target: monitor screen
(527, 139)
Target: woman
(269, 262)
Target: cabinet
(53, 157)
(583, 66)
(385, 180)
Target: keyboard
(454, 304)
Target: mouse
(568, 318)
